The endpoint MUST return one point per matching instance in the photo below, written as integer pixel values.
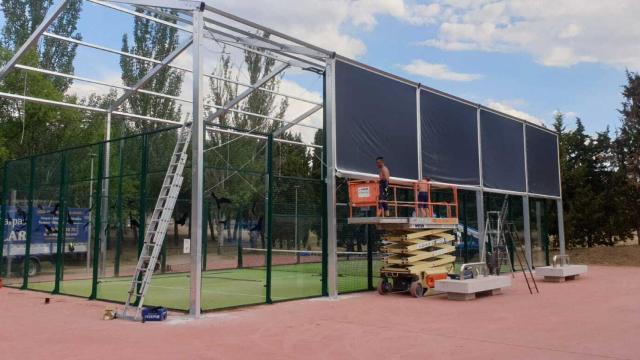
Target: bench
(479, 283)
(561, 270)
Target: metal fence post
(27, 249)
(62, 221)
(269, 214)
(98, 227)
(120, 234)
(142, 212)
(3, 211)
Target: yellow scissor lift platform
(414, 260)
(417, 249)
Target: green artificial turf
(224, 288)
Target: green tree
(21, 19)
(156, 41)
(628, 145)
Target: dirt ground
(614, 256)
(594, 317)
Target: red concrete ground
(595, 317)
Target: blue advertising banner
(45, 230)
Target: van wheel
(34, 267)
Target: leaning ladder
(157, 228)
(515, 244)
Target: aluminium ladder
(157, 228)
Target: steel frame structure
(202, 21)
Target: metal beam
(258, 37)
(134, 56)
(481, 220)
(330, 179)
(137, 14)
(247, 92)
(561, 240)
(83, 107)
(170, 4)
(526, 212)
(268, 30)
(142, 82)
(197, 169)
(295, 121)
(214, 128)
(33, 38)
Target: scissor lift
(417, 249)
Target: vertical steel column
(27, 249)
(104, 199)
(197, 170)
(269, 213)
(560, 226)
(330, 179)
(62, 221)
(526, 216)
(465, 228)
(323, 171)
(419, 133)
(480, 214)
(480, 193)
(98, 220)
(539, 224)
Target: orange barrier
(366, 193)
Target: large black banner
(502, 152)
(449, 140)
(542, 162)
(376, 116)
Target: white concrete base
(469, 288)
(561, 273)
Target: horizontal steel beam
(82, 107)
(316, 66)
(262, 137)
(140, 15)
(153, 93)
(169, 4)
(267, 30)
(143, 58)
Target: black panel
(449, 140)
(542, 162)
(502, 152)
(375, 116)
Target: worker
(423, 196)
(383, 172)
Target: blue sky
(526, 57)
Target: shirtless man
(423, 196)
(383, 171)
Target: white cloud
(437, 71)
(507, 108)
(322, 23)
(557, 33)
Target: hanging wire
(237, 171)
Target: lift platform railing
(366, 194)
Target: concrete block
(480, 285)
(561, 273)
